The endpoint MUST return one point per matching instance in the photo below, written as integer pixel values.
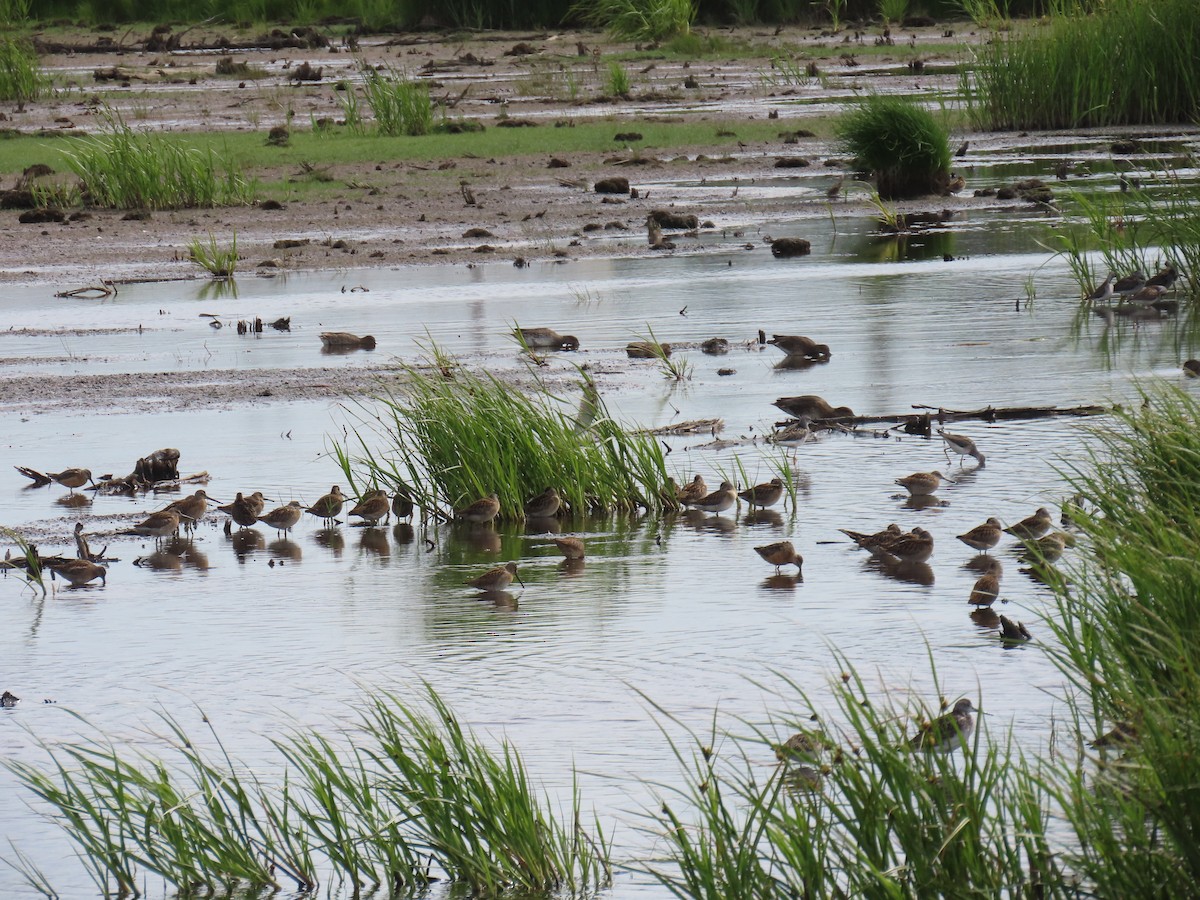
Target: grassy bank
(1124, 62)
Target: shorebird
(799, 345)
(764, 495)
(1191, 368)
(962, 445)
(1032, 527)
(647, 350)
(1130, 284)
(79, 571)
(344, 340)
(803, 746)
(570, 547)
(284, 518)
(544, 506)
(1045, 549)
(945, 733)
(831, 192)
(915, 547)
(1165, 277)
(922, 484)
(82, 550)
(1013, 631)
(157, 525)
(983, 537)
(329, 506)
(879, 538)
(546, 339)
(71, 478)
(244, 510)
(483, 510)
(810, 406)
(373, 506)
(695, 489)
(781, 553)
(191, 509)
(987, 587)
(717, 346)
(721, 499)
(402, 505)
(1104, 291)
(496, 579)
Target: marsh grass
(121, 169)
(32, 570)
(862, 815)
(454, 440)
(408, 791)
(1076, 72)
(617, 84)
(676, 368)
(218, 261)
(638, 20)
(399, 104)
(1127, 625)
(902, 144)
(21, 77)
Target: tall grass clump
(407, 796)
(217, 261)
(902, 144)
(452, 440)
(855, 814)
(121, 169)
(21, 77)
(400, 105)
(1142, 229)
(638, 20)
(1129, 626)
(1124, 62)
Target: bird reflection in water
(374, 540)
(499, 599)
(782, 582)
(331, 539)
(402, 533)
(284, 548)
(768, 517)
(246, 541)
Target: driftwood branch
(923, 422)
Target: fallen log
(922, 422)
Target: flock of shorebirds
(1138, 297)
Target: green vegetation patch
(901, 143)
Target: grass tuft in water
(900, 143)
(638, 20)
(411, 791)
(400, 105)
(219, 262)
(21, 77)
(451, 441)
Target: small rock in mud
(791, 162)
(1125, 148)
(783, 248)
(521, 49)
(484, 248)
(666, 219)
(508, 122)
(270, 264)
(477, 233)
(19, 199)
(724, 372)
(556, 163)
(136, 215)
(290, 243)
(282, 324)
(715, 346)
(305, 72)
(271, 205)
(614, 185)
(41, 216)
(627, 136)
(279, 136)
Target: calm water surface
(679, 608)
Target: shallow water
(679, 608)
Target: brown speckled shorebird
(922, 484)
(546, 339)
(284, 518)
(329, 506)
(402, 505)
(810, 406)
(1130, 284)
(721, 499)
(71, 478)
(945, 733)
(1045, 549)
(867, 541)
(245, 510)
(79, 571)
(496, 579)
(1191, 367)
(545, 505)
(1104, 291)
(344, 340)
(781, 553)
(157, 525)
(803, 746)
(987, 586)
(483, 510)
(647, 350)
(1032, 527)
(570, 547)
(799, 345)
(764, 495)
(983, 537)
(1013, 631)
(914, 547)
(191, 509)
(373, 506)
(695, 489)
